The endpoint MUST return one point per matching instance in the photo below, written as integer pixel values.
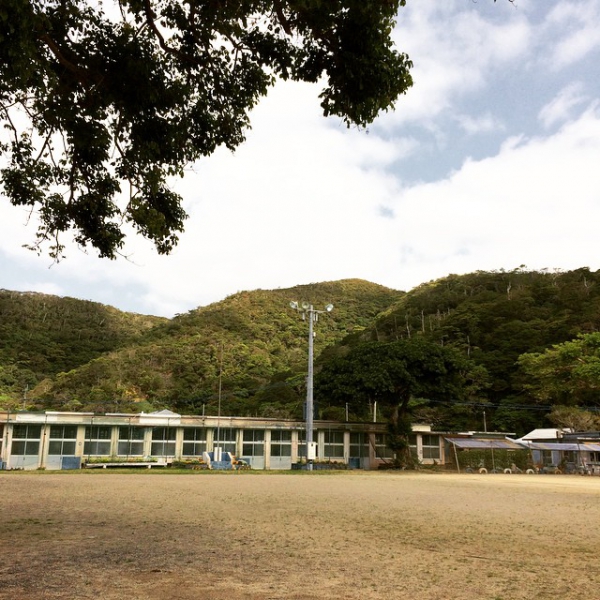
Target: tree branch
(83, 75)
(282, 19)
(150, 20)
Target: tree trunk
(399, 430)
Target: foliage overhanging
(102, 102)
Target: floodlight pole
(309, 390)
(307, 310)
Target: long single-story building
(60, 440)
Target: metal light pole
(307, 310)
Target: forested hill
(494, 317)
(80, 355)
(42, 335)
(254, 340)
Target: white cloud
(561, 107)
(454, 53)
(531, 204)
(575, 29)
(481, 124)
(306, 200)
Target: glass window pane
(279, 435)
(21, 431)
(104, 433)
(96, 448)
(226, 447)
(193, 448)
(68, 449)
(194, 433)
(163, 449)
(70, 432)
(131, 433)
(63, 432)
(254, 435)
(164, 433)
(128, 448)
(334, 437)
(97, 432)
(55, 448)
(18, 448)
(56, 432)
(225, 434)
(32, 448)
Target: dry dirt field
(346, 535)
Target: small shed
(487, 453)
(568, 455)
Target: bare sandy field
(348, 535)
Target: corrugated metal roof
(587, 447)
(553, 446)
(483, 443)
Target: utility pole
(307, 310)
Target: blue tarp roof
(484, 443)
(583, 447)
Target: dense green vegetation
(394, 374)
(528, 342)
(252, 343)
(43, 335)
(493, 318)
(121, 95)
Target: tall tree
(101, 102)
(392, 374)
(575, 418)
(567, 374)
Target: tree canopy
(103, 102)
(66, 349)
(394, 373)
(566, 374)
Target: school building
(63, 440)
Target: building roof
(544, 434)
(484, 443)
(583, 447)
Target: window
(224, 438)
(63, 439)
(281, 443)
(359, 444)
(334, 444)
(131, 441)
(381, 447)
(163, 441)
(26, 440)
(431, 447)
(254, 442)
(302, 443)
(97, 440)
(194, 441)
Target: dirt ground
(349, 535)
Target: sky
(491, 161)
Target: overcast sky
(491, 161)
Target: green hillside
(252, 343)
(42, 335)
(493, 318)
(252, 346)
